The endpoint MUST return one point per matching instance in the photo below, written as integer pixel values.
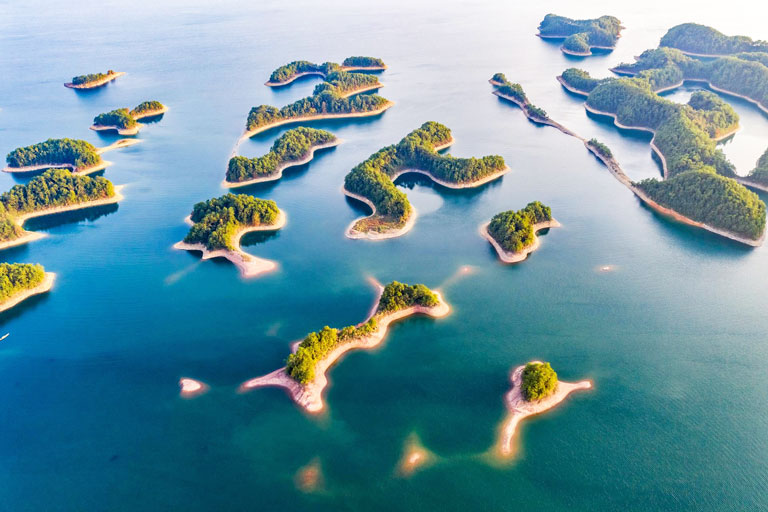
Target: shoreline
(248, 264)
(744, 180)
(516, 257)
(350, 232)
(518, 408)
(535, 120)
(44, 287)
(310, 396)
(570, 88)
(95, 84)
(103, 164)
(150, 113)
(296, 76)
(120, 131)
(278, 173)
(577, 54)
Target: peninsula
(80, 156)
(286, 74)
(218, 224)
(20, 281)
(124, 121)
(758, 177)
(372, 181)
(513, 233)
(535, 389)
(93, 80)
(580, 37)
(304, 376)
(295, 147)
(703, 41)
(54, 191)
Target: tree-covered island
(704, 41)
(293, 70)
(92, 80)
(78, 155)
(124, 121)
(581, 36)
(295, 147)
(218, 224)
(304, 374)
(513, 233)
(758, 177)
(372, 181)
(539, 381)
(19, 281)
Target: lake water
(674, 338)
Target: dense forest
(695, 38)
(507, 88)
(373, 177)
(147, 106)
(288, 71)
(705, 196)
(55, 151)
(581, 35)
(293, 145)
(760, 173)
(600, 148)
(513, 230)
(363, 62)
(539, 381)
(17, 277)
(120, 118)
(581, 80)
(396, 296)
(217, 220)
(91, 77)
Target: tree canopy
(539, 381)
(581, 35)
(701, 39)
(760, 173)
(120, 118)
(513, 230)
(78, 153)
(18, 277)
(91, 77)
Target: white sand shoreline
(103, 164)
(23, 295)
(516, 257)
(352, 233)
(296, 76)
(96, 83)
(249, 265)
(134, 130)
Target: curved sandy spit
(97, 83)
(23, 295)
(296, 76)
(280, 168)
(519, 408)
(516, 257)
(310, 396)
(249, 265)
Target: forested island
(124, 121)
(92, 80)
(581, 36)
(54, 191)
(535, 389)
(294, 147)
(20, 281)
(304, 374)
(513, 233)
(758, 177)
(372, 181)
(703, 41)
(293, 70)
(218, 224)
(699, 186)
(79, 155)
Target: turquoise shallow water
(674, 338)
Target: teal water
(674, 338)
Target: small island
(581, 36)
(703, 41)
(304, 376)
(93, 80)
(372, 181)
(513, 233)
(535, 389)
(54, 191)
(124, 121)
(80, 156)
(286, 74)
(190, 388)
(20, 281)
(295, 147)
(218, 224)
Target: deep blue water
(674, 338)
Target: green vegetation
(288, 71)
(600, 148)
(17, 277)
(539, 381)
(515, 91)
(216, 221)
(363, 62)
(317, 345)
(91, 77)
(581, 81)
(77, 153)
(120, 118)
(293, 145)
(700, 39)
(581, 35)
(760, 173)
(513, 230)
(707, 197)
(147, 106)
(373, 177)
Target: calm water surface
(674, 338)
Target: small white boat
(5, 336)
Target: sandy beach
(309, 396)
(518, 408)
(516, 257)
(23, 295)
(151, 113)
(249, 265)
(97, 83)
(350, 232)
(280, 168)
(189, 388)
(120, 131)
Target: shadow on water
(410, 180)
(152, 119)
(21, 308)
(71, 217)
(320, 124)
(258, 237)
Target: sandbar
(95, 83)
(189, 388)
(23, 295)
(516, 257)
